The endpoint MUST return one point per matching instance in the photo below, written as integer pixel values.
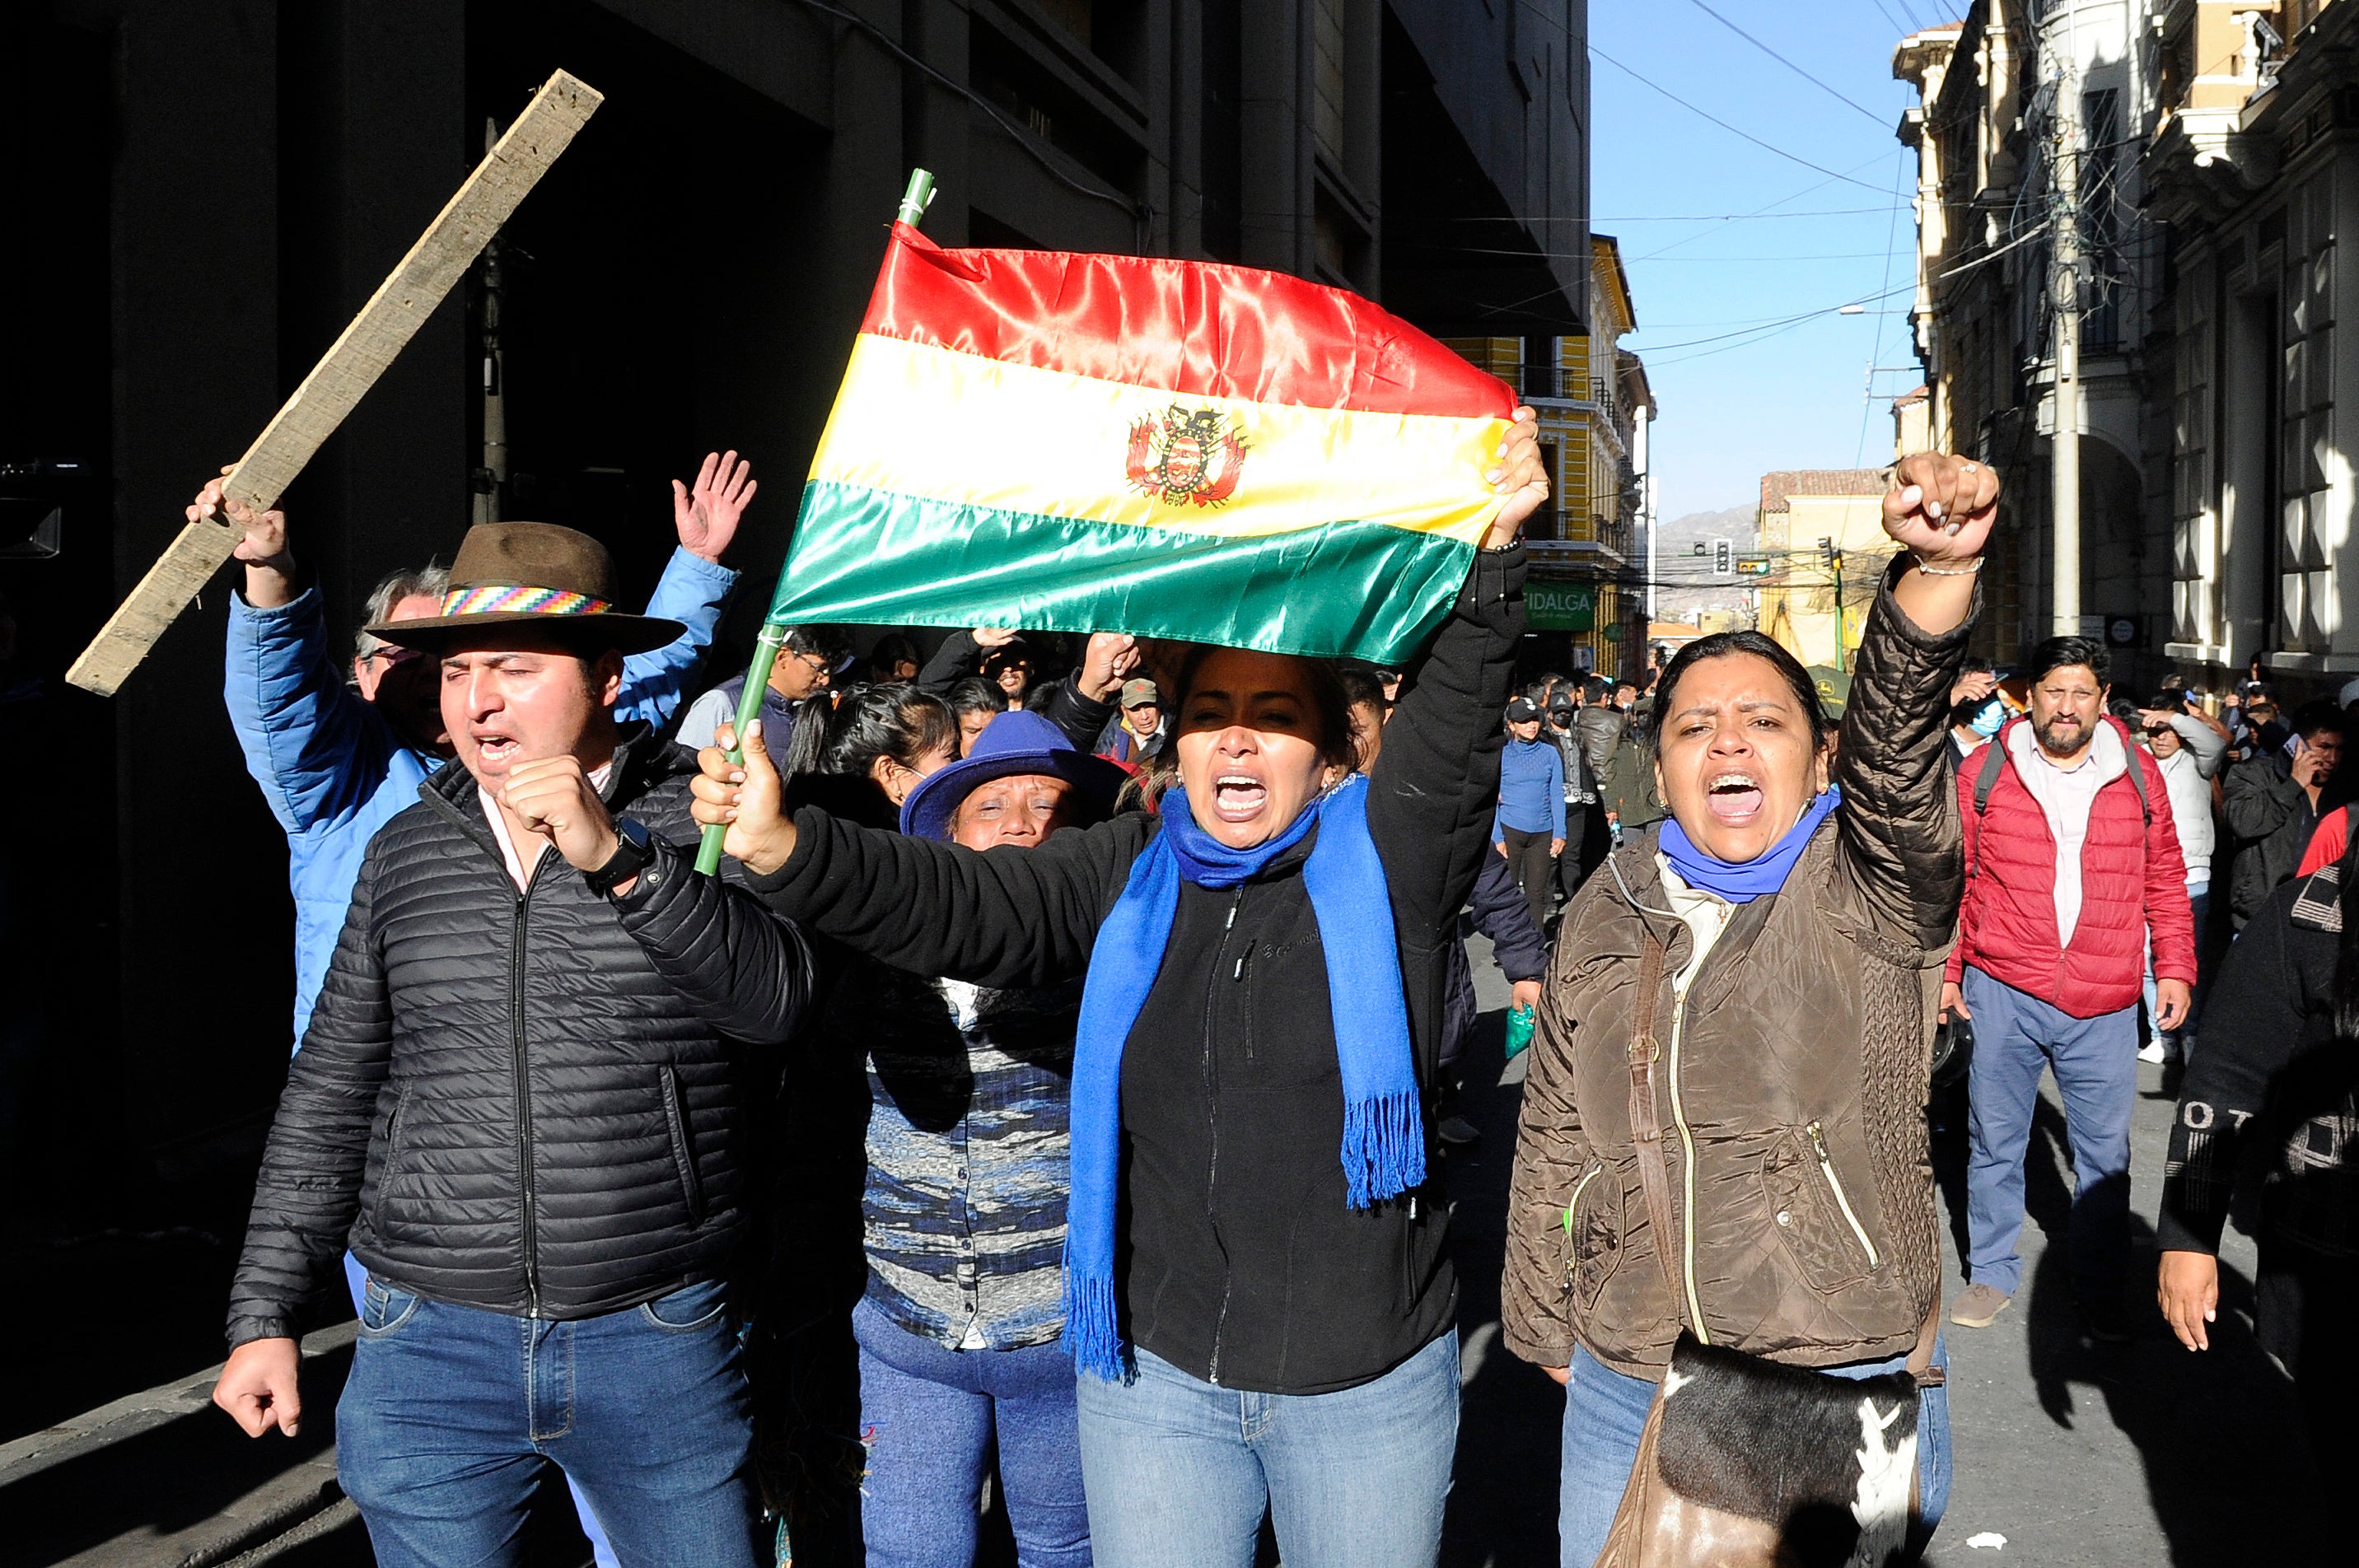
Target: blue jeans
(2199, 900)
(929, 1415)
(450, 1411)
(1180, 1470)
(1604, 1413)
(600, 1550)
(2095, 1062)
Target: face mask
(1988, 718)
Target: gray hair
(430, 581)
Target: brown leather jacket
(1791, 1085)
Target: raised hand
(747, 797)
(1972, 687)
(1941, 507)
(1520, 476)
(270, 579)
(994, 636)
(1106, 663)
(706, 514)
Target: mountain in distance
(1684, 579)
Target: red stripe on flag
(1197, 328)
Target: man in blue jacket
(337, 759)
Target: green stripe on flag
(1367, 591)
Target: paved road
(2081, 1456)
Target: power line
(1867, 400)
(1766, 207)
(1732, 130)
(1790, 65)
(1794, 320)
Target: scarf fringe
(1090, 1334)
(1384, 1147)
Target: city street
(2081, 1456)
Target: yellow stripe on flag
(936, 424)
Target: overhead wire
(1733, 130)
(1875, 352)
(1821, 85)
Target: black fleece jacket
(1241, 1261)
(538, 1103)
(2273, 1091)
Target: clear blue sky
(1734, 402)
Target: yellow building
(1821, 550)
(1593, 403)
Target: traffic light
(1826, 552)
(1723, 558)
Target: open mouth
(495, 749)
(1734, 800)
(1238, 797)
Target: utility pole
(2064, 479)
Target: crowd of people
(1048, 1100)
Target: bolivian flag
(1170, 449)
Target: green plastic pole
(915, 199)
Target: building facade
(219, 187)
(1588, 550)
(2256, 167)
(2005, 97)
(1820, 550)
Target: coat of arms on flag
(1191, 456)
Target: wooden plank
(344, 374)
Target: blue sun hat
(1011, 745)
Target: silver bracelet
(1937, 571)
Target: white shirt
(2187, 774)
(519, 871)
(2065, 797)
(1705, 914)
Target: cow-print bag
(1746, 1463)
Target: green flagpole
(915, 199)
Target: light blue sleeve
(318, 750)
(705, 716)
(1556, 793)
(693, 592)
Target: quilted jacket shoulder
(536, 1103)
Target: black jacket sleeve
(2260, 798)
(1898, 817)
(958, 658)
(1082, 718)
(1504, 914)
(309, 1189)
(745, 972)
(1000, 917)
(2255, 1022)
(1437, 781)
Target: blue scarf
(1743, 882)
(1383, 1134)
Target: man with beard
(2072, 858)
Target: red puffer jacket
(2131, 877)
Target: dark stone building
(200, 195)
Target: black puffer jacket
(536, 1103)
(1242, 1263)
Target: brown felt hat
(533, 574)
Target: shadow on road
(2219, 1435)
(1503, 1499)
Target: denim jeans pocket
(690, 1308)
(385, 1308)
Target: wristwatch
(633, 852)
